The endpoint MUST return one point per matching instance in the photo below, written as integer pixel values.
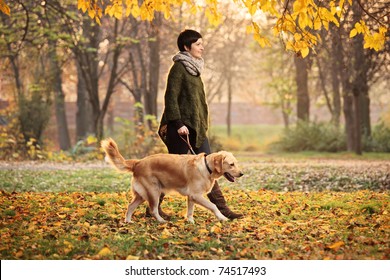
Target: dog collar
(207, 166)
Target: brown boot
(217, 198)
(148, 212)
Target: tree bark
(59, 98)
(87, 57)
(114, 79)
(84, 110)
(229, 109)
(154, 69)
(336, 60)
(349, 121)
(301, 78)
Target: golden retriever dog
(189, 175)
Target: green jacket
(185, 101)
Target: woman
(186, 111)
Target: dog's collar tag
(207, 166)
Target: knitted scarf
(194, 66)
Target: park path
(47, 166)
(247, 162)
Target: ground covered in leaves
(311, 209)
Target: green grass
(247, 137)
(255, 140)
(106, 180)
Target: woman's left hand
(183, 130)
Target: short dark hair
(187, 38)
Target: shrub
(312, 136)
(13, 144)
(380, 139)
(139, 140)
(215, 143)
(34, 110)
(86, 149)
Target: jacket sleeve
(172, 93)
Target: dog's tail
(115, 158)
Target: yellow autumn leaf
(305, 52)
(317, 24)
(215, 229)
(31, 228)
(145, 13)
(91, 13)
(353, 33)
(165, 233)
(81, 5)
(91, 139)
(297, 36)
(336, 245)
(4, 8)
(303, 20)
(131, 257)
(105, 252)
(373, 41)
(299, 6)
(280, 251)
(114, 10)
(58, 224)
(341, 4)
(196, 239)
(213, 16)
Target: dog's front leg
(190, 209)
(208, 205)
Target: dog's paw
(191, 220)
(223, 219)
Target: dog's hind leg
(150, 190)
(153, 204)
(137, 200)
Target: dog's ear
(218, 161)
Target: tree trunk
(84, 110)
(92, 64)
(359, 81)
(301, 78)
(366, 118)
(357, 121)
(154, 69)
(229, 109)
(59, 98)
(349, 121)
(336, 59)
(114, 79)
(285, 109)
(15, 68)
(87, 57)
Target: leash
(187, 141)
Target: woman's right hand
(183, 130)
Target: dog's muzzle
(230, 177)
